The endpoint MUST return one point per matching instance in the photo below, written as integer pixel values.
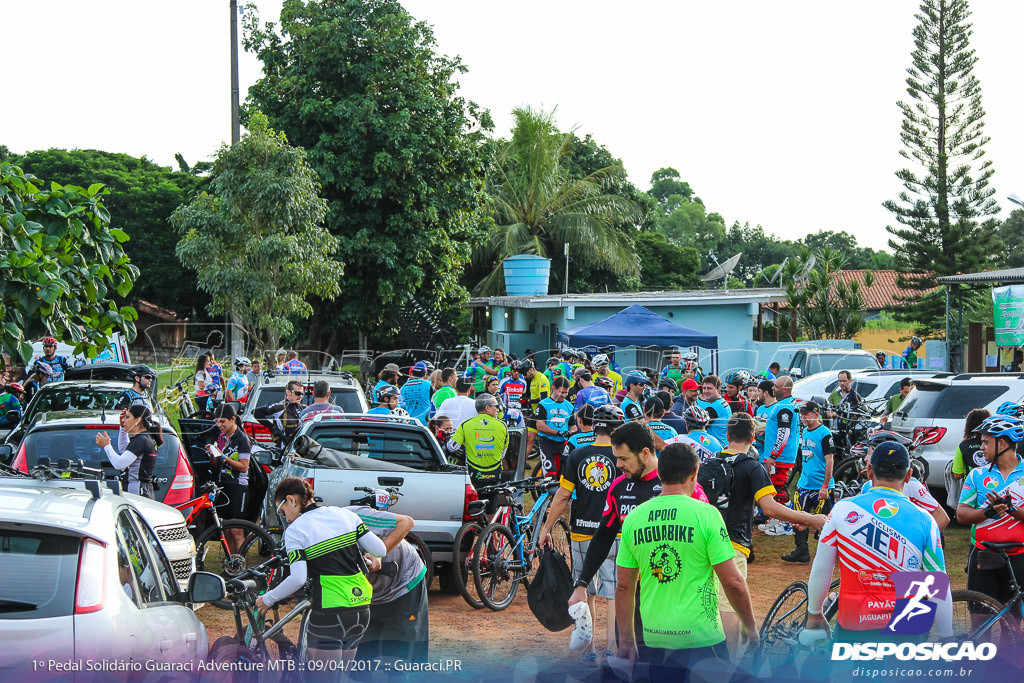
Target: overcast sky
(778, 113)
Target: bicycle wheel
(462, 561)
(227, 650)
(212, 555)
(424, 552)
(781, 626)
(496, 569)
(848, 477)
(972, 610)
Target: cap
(890, 453)
(810, 407)
(690, 385)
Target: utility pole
(234, 340)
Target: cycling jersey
(10, 410)
(540, 388)
(477, 371)
(416, 393)
(235, 447)
(58, 364)
(663, 430)
(750, 483)
(294, 367)
(968, 455)
(592, 395)
(910, 356)
(781, 434)
(215, 374)
(441, 394)
(674, 373)
(702, 443)
(557, 415)
(578, 440)
(513, 392)
(720, 412)
(484, 440)
(631, 409)
(130, 398)
(917, 492)
(815, 444)
(761, 413)
(876, 534)
(281, 418)
(982, 481)
(238, 385)
(138, 460)
(588, 473)
(740, 404)
(624, 495)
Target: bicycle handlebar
(241, 586)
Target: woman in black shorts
(325, 546)
(233, 463)
(138, 441)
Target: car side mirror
(796, 372)
(205, 587)
(6, 453)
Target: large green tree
(538, 206)
(257, 239)
(666, 265)
(946, 201)
(141, 197)
(359, 83)
(1010, 232)
(857, 257)
(682, 217)
(826, 305)
(61, 265)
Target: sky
(777, 113)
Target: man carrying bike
(874, 535)
(589, 472)
(991, 500)
(814, 488)
(482, 440)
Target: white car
(85, 579)
(171, 531)
(871, 385)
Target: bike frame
(261, 636)
(1017, 601)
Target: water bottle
(809, 636)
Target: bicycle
(179, 397)
(394, 493)
(212, 548)
(506, 554)
(851, 472)
(981, 618)
(786, 618)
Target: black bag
(549, 592)
(716, 477)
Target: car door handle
(390, 481)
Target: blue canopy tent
(636, 326)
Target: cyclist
(138, 394)
(321, 402)
(697, 437)
(969, 453)
(138, 457)
(814, 488)
(238, 383)
(387, 376)
(233, 466)
(636, 384)
(588, 474)
(325, 545)
(718, 410)
(10, 405)
(603, 368)
(282, 418)
(585, 434)
(387, 402)
(991, 500)
(874, 535)
(589, 393)
(654, 410)
(674, 369)
(481, 440)
(762, 411)
(918, 494)
(734, 386)
(781, 446)
(416, 392)
(512, 390)
(480, 368)
(216, 374)
(294, 366)
(910, 353)
(896, 400)
(447, 390)
(203, 382)
(555, 420)
(58, 364)
(555, 369)
(540, 389)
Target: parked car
(944, 402)
(171, 531)
(345, 393)
(870, 385)
(338, 452)
(66, 396)
(807, 362)
(85, 579)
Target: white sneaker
(583, 630)
(783, 529)
(770, 524)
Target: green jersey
(485, 440)
(441, 394)
(674, 541)
(893, 404)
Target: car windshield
(84, 397)
(940, 401)
(820, 362)
(39, 572)
(79, 443)
(348, 401)
(399, 446)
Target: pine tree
(945, 201)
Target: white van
(116, 352)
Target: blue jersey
(761, 414)
(662, 430)
(578, 440)
(720, 413)
(416, 396)
(593, 395)
(782, 433)
(631, 409)
(815, 444)
(988, 479)
(57, 365)
(294, 367)
(555, 414)
(238, 385)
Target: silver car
(85, 579)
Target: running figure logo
(917, 594)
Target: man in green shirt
(676, 545)
(447, 390)
(482, 439)
(896, 400)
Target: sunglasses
(299, 393)
(280, 508)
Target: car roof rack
(994, 375)
(365, 417)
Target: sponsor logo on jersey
(884, 508)
(665, 564)
(595, 473)
(990, 482)
(853, 518)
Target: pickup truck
(336, 452)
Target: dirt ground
(457, 631)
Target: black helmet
(608, 416)
(668, 383)
(525, 365)
(143, 371)
(740, 378)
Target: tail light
(925, 436)
(183, 484)
(91, 581)
(266, 468)
(258, 432)
(471, 495)
(20, 463)
(309, 480)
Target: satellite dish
(778, 273)
(806, 270)
(722, 270)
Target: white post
(566, 250)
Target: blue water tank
(527, 275)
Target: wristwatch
(580, 583)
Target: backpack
(716, 477)
(549, 592)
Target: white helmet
(600, 360)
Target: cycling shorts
(337, 629)
(550, 456)
(231, 503)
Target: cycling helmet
(427, 365)
(696, 416)
(668, 383)
(600, 360)
(605, 383)
(49, 341)
(916, 340)
(42, 369)
(1003, 427)
(143, 371)
(15, 386)
(553, 361)
(526, 365)
(516, 366)
(608, 416)
(691, 356)
(484, 349)
(1011, 408)
(740, 378)
(570, 353)
(635, 377)
(690, 365)
(242, 361)
(387, 390)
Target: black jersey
(625, 494)
(589, 472)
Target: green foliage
(826, 306)
(888, 321)
(142, 195)
(358, 83)
(61, 265)
(857, 258)
(945, 201)
(538, 207)
(1010, 232)
(682, 217)
(256, 238)
(760, 251)
(665, 265)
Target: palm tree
(537, 207)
